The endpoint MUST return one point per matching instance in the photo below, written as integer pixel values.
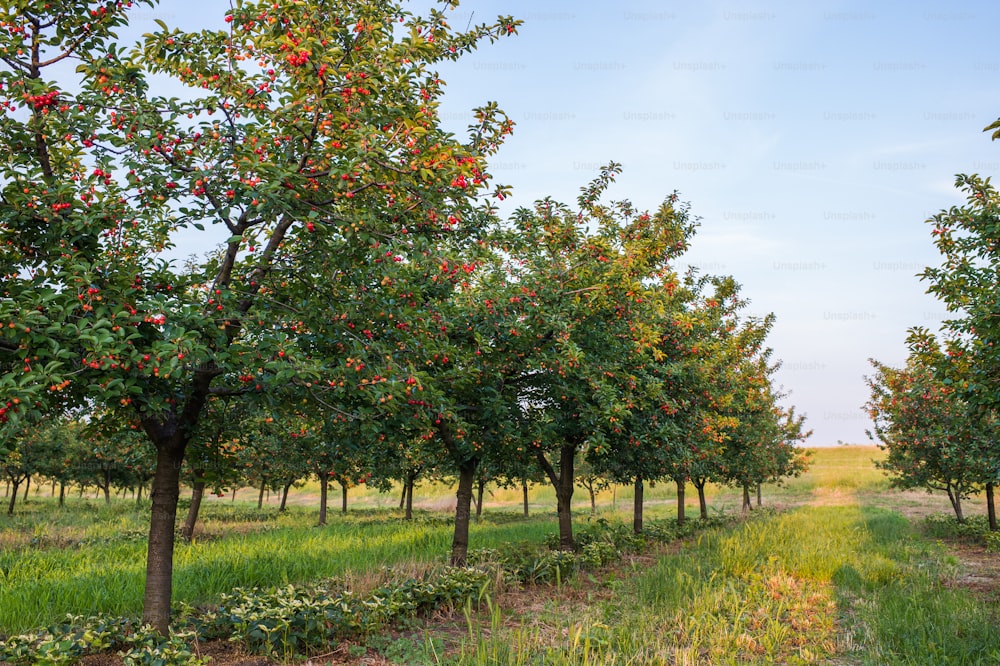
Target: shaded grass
(39, 585)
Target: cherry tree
(302, 136)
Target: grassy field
(839, 574)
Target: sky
(813, 140)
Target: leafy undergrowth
(975, 529)
(296, 621)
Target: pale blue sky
(813, 139)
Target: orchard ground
(843, 572)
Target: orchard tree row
(366, 309)
(937, 417)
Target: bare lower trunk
(593, 499)
(260, 495)
(324, 483)
(343, 497)
(702, 504)
(27, 487)
(284, 495)
(62, 493)
(13, 498)
(524, 496)
(402, 498)
(760, 501)
(460, 539)
(637, 505)
(991, 509)
(160, 551)
(747, 506)
(410, 481)
(197, 492)
(563, 482)
(956, 503)
(480, 490)
(681, 516)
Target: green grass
(813, 585)
(40, 585)
(837, 578)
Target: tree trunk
(479, 498)
(524, 497)
(13, 498)
(637, 506)
(463, 497)
(284, 495)
(62, 493)
(681, 516)
(593, 499)
(402, 498)
(260, 495)
(746, 498)
(991, 509)
(343, 497)
(234, 496)
(410, 478)
(197, 492)
(27, 487)
(702, 504)
(107, 486)
(138, 494)
(563, 482)
(956, 503)
(324, 482)
(163, 516)
(53, 493)
(760, 501)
